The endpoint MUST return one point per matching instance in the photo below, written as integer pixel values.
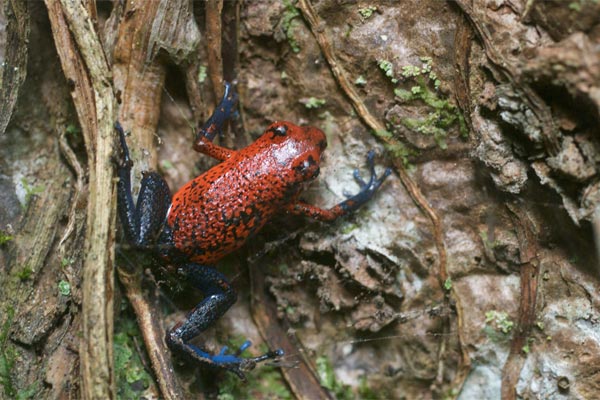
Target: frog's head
(296, 148)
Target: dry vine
(84, 63)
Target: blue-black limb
(214, 125)
(219, 297)
(367, 189)
(353, 202)
(141, 221)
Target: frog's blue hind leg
(219, 297)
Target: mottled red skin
(214, 214)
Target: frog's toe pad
(233, 362)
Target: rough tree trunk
(472, 274)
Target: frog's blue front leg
(214, 126)
(219, 297)
(352, 203)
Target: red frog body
(215, 213)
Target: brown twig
(192, 88)
(84, 64)
(529, 271)
(213, 37)
(153, 333)
(317, 28)
(75, 72)
(237, 135)
(463, 39)
(301, 378)
(67, 152)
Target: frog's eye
(280, 130)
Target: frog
(216, 213)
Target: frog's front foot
(370, 187)
(233, 362)
(367, 188)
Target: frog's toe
(239, 365)
(359, 179)
(374, 181)
(243, 347)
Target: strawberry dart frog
(216, 212)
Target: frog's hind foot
(234, 362)
(219, 298)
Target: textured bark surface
(472, 274)
(13, 53)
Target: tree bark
(479, 247)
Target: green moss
(66, 261)
(366, 392)
(497, 326)
(288, 24)
(202, 74)
(347, 228)
(360, 81)
(5, 238)
(409, 71)
(487, 243)
(425, 88)
(28, 393)
(72, 130)
(388, 68)
(330, 381)
(367, 12)
(314, 102)
(25, 273)
(30, 191)
(131, 376)
(64, 288)
(448, 284)
(526, 349)
(290, 311)
(283, 269)
(493, 335)
(396, 148)
(451, 394)
(8, 356)
(540, 325)
(166, 165)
